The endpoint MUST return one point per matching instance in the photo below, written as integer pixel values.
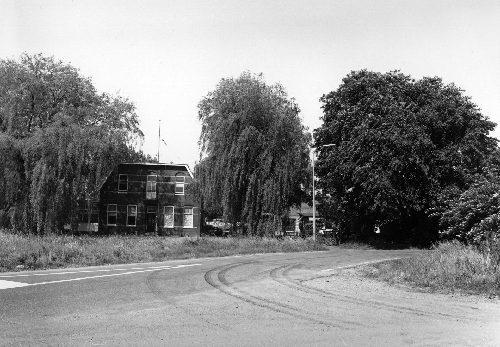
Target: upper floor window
(168, 216)
(187, 220)
(132, 215)
(151, 187)
(179, 185)
(111, 214)
(122, 183)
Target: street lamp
(313, 188)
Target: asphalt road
(272, 299)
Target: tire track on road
(281, 275)
(157, 292)
(216, 277)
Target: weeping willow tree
(59, 138)
(254, 153)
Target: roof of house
(303, 210)
(162, 165)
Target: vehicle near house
(144, 198)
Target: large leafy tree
(255, 152)
(58, 139)
(397, 144)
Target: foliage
(398, 144)
(473, 216)
(54, 251)
(256, 153)
(450, 267)
(58, 139)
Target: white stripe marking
(81, 271)
(360, 264)
(11, 284)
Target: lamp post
(314, 189)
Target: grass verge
(32, 252)
(450, 267)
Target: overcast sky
(166, 55)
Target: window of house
(122, 183)
(168, 216)
(179, 185)
(131, 215)
(187, 220)
(111, 214)
(151, 187)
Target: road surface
(272, 299)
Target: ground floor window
(187, 220)
(168, 216)
(111, 214)
(131, 215)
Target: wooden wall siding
(136, 195)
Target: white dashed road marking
(11, 284)
(82, 271)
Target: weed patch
(52, 251)
(450, 267)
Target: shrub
(450, 267)
(473, 217)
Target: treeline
(412, 159)
(59, 138)
(409, 158)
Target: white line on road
(360, 264)
(11, 284)
(81, 271)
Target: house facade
(148, 198)
(300, 220)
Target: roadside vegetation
(20, 252)
(400, 162)
(450, 267)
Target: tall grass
(31, 252)
(450, 267)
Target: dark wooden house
(139, 198)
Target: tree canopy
(397, 144)
(58, 139)
(255, 152)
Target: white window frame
(119, 180)
(153, 184)
(188, 214)
(179, 184)
(108, 212)
(129, 215)
(173, 217)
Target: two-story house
(143, 198)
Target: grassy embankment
(24, 252)
(450, 267)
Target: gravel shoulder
(417, 316)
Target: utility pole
(314, 199)
(314, 189)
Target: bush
(450, 267)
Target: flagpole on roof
(158, 154)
